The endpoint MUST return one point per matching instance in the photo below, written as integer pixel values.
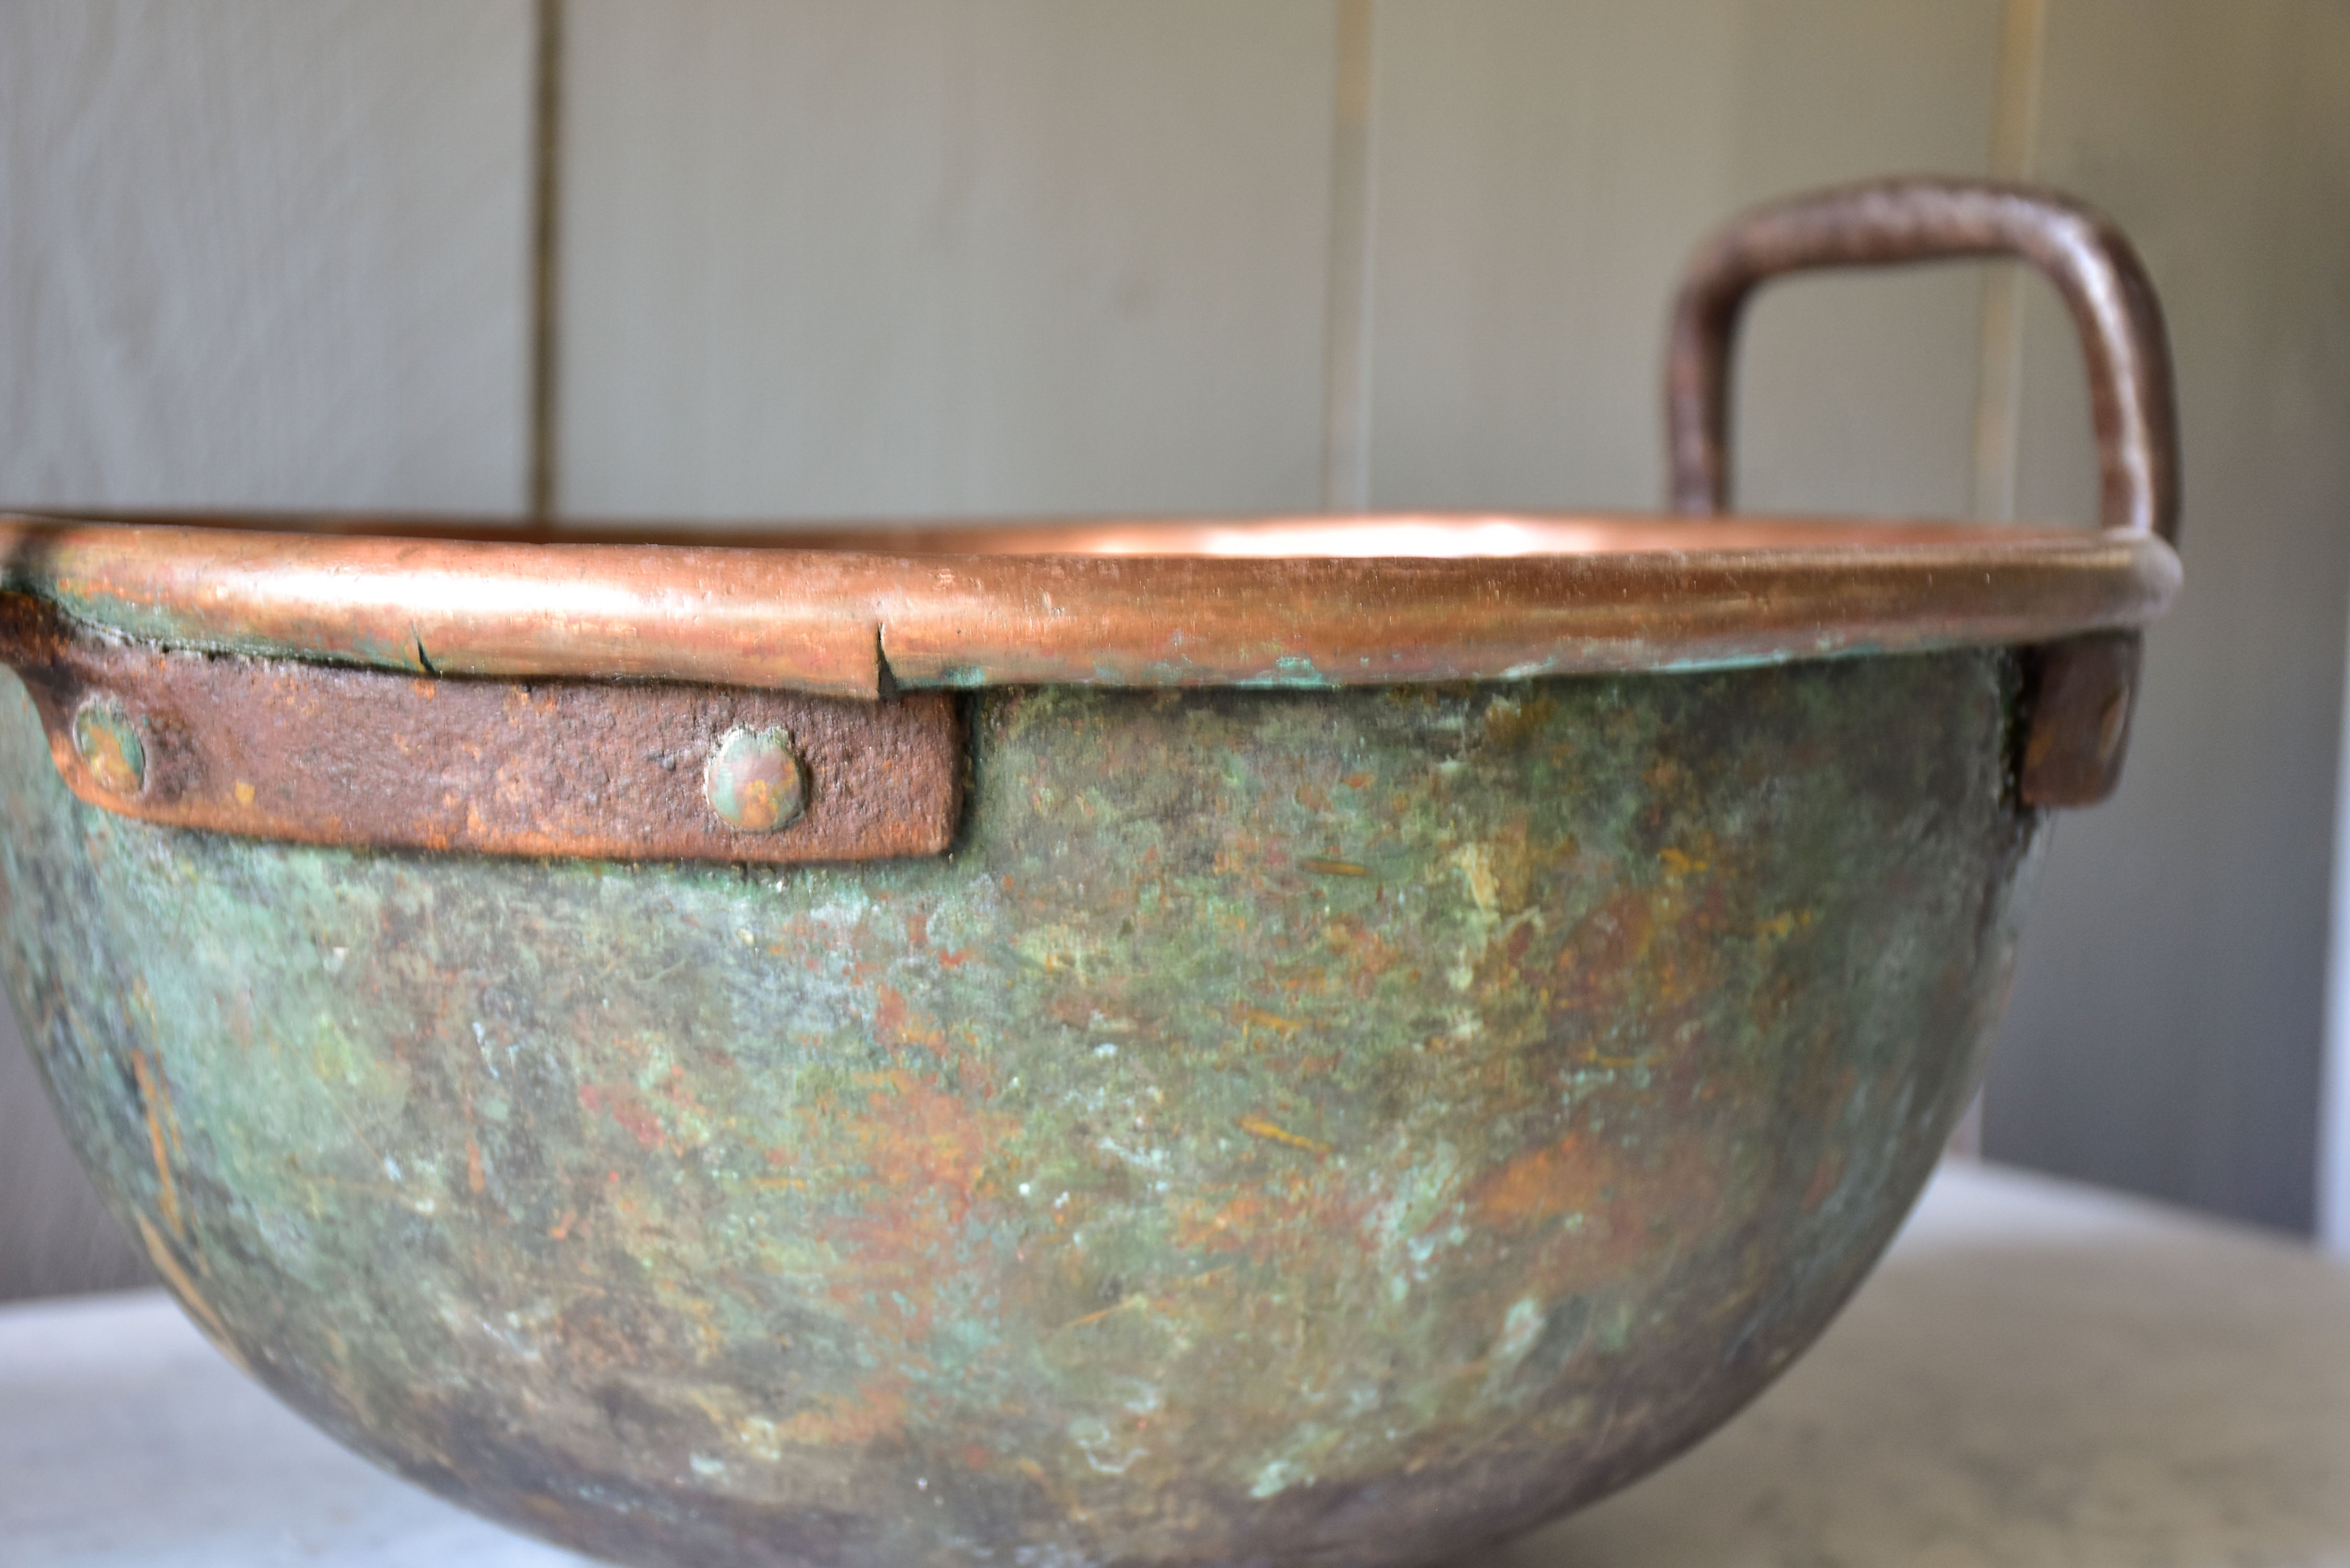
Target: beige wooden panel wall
(929, 258)
(250, 253)
(263, 254)
(2165, 1028)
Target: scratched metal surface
(1302, 1128)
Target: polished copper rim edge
(845, 623)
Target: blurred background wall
(1000, 256)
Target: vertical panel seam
(1346, 365)
(1998, 384)
(1999, 355)
(2331, 1203)
(546, 190)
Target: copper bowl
(1277, 1041)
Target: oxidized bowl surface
(1297, 1128)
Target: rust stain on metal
(159, 1253)
(333, 755)
(1273, 1132)
(167, 1196)
(2078, 697)
(1321, 866)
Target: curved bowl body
(1298, 1127)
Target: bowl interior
(1429, 536)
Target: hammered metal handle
(1885, 222)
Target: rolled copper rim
(1269, 602)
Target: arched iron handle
(2077, 248)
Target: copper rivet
(110, 748)
(754, 780)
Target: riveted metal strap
(610, 770)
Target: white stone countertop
(2038, 1373)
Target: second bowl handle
(1913, 220)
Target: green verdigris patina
(1296, 1127)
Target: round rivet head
(754, 780)
(110, 748)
